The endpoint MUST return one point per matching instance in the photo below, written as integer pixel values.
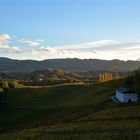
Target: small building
(126, 95)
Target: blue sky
(68, 22)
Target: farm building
(126, 95)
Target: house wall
(132, 97)
(120, 96)
(125, 97)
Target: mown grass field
(68, 112)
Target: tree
(5, 87)
(130, 81)
(5, 84)
(105, 77)
(15, 84)
(117, 75)
(100, 77)
(133, 80)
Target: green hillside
(68, 112)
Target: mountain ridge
(68, 64)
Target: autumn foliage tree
(103, 77)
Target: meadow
(68, 112)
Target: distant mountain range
(72, 65)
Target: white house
(126, 95)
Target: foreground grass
(68, 112)
(94, 136)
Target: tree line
(133, 80)
(103, 77)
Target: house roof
(125, 91)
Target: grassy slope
(68, 112)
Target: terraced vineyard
(68, 112)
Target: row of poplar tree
(103, 77)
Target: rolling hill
(67, 112)
(10, 65)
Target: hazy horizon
(69, 58)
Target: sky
(85, 29)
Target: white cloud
(95, 50)
(94, 44)
(101, 49)
(16, 49)
(5, 47)
(30, 42)
(11, 50)
(49, 52)
(4, 37)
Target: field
(68, 112)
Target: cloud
(49, 52)
(16, 49)
(30, 42)
(11, 49)
(4, 37)
(99, 43)
(108, 49)
(5, 47)
(101, 49)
